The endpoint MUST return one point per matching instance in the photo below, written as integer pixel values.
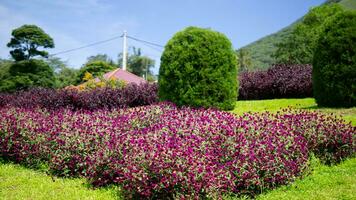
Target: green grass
(349, 114)
(17, 183)
(325, 182)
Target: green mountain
(261, 50)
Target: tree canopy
(334, 63)
(26, 74)
(100, 57)
(199, 68)
(26, 41)
(138, 64)
(96, 68)
(298, 47)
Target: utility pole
(124, 52)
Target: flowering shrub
(129, 96)
(99, 82)
(279, 81)
(164, 151)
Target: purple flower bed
(163, 151)
(279, 81)
(130, 96)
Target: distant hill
(262, 49)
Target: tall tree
(244, 60)
(26, 74)
(138, 64)
(26, 41)
(55, 63)
(64, 75)
(96, 68)
(100, 57)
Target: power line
(152, 47)
(146, 43)
(143, 41)
(86, 46)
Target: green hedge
(199, 68)
(334, 63)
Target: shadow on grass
(44, 169)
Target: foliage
(4, 68)
(96, 68)
(141, 66)
(100, 82)
(129, 96)
(164, 151)
(138, 64)
(279, 81)
(244, 60)
(64, 75)
(263, 49)
(26, 40)
(334, 71)
(198, 68)
(26, 74)
(101, 57)
(298, 47)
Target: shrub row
(130, 96)
(279, 81)
(161, 151)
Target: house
(120, 74)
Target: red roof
(126, 76)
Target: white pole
(124, 54)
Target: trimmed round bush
(334, 63)
(198, 68)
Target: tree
(298, 47)
(199, 68)
(66, 77)
(26, 74)
(26, 41)
(141, 65)
(334, 63)
(138, 64)
(244, 60)
(96, 68)
(55, 63)
(101, 57)
(4, 69)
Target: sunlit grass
(17, 183)
(349, 114)
(325, 182)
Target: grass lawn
(325, 182)
(18, 183)
(349, 114)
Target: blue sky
(74, 23)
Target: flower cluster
(129, 96)
(279, 81)
(163, 151)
